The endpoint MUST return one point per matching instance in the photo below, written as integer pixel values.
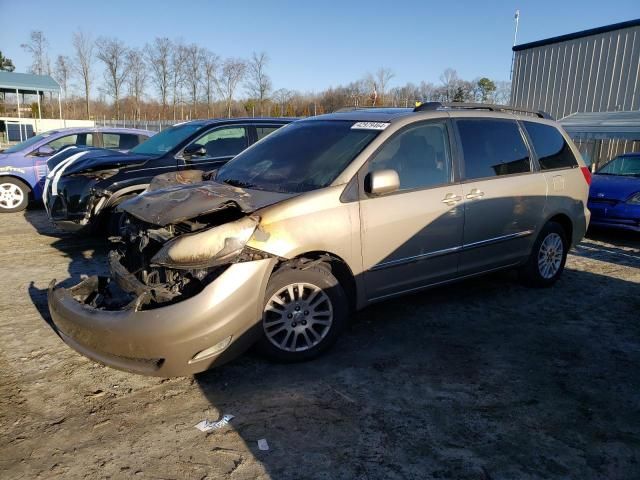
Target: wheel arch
(339, 268)
(565, 222)
(116, 196)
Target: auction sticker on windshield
(369, 126)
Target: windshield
(166, 140)
(27, 143)
(622, 166)
(299, 157)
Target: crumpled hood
(103, 159)
(189, 200)
(613, 187)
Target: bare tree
(427, 91)
(194, 58)
(83, 46)
(357, 92)
(502, 94)
(159, 60)
(259, 83)
(37, 47)
(62, 74)
(113, 53)
(383, 77)
(450, 82)
(137, 77)
(282, 97)
(210, 64)
(233, 70)
(178, 61)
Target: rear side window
(492, 147)
(121, 141)
(550, 146)
(262, 132)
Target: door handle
(475, 193)
(451, 199)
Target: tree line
(172, 80)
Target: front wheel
(304, 312)
(14, 195)
(548, 257)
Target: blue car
(614, 196)
(23, 167)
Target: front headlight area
(634, 199)
(158, 266)
(208, 248)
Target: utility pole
(515, 39)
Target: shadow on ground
(86, 256)
(482, 379)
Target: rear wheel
(548, 257)
(304, 312)
(14, 195)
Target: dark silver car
(324, 216)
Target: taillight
(587, 174)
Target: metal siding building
(594, 70)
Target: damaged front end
(155, 266)
(179, 298)
(185, 291)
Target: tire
(298, 330)
(548, 257)
(14, 195)
(113, 219)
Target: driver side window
(419, 154)
(83, 139)
(223, 142)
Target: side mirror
(381, 182)
(194, 150)
(45, 151)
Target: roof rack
(364, 107)
(431, 106)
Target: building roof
(27, 83)
(573, 36)
(603, 125)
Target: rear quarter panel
(568, 193)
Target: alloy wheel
(550, 255)
(297, 317)
(11, 195)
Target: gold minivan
(323, 217)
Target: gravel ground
(484, 379)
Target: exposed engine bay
(154, 266)
(175, 240)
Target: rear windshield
(166, 140)
(299, 157)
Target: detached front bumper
(184, 338)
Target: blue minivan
(23, 167)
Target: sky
(315, 45)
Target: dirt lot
(482, 380)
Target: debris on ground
(208, 425)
